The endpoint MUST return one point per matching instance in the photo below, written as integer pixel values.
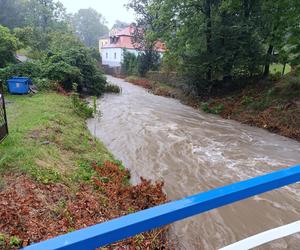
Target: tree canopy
(89, 26)
(8, 46)
(211, 40)
(58, 55)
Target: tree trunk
(268, 61)
(283, 70)
(208, 38)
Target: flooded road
(161, 139)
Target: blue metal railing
(130, 225)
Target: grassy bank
(48, 140)
(56, 178)
(270, 104)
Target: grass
(277, 68)
(48, 140)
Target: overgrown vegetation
(139, 65)
(211, 41)
(68, 180)
(112, 88)
(57, 55)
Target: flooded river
(161, 139)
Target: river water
(161, 139)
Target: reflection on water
(161, 139)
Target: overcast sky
(110, 9)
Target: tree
(8, 46)
(144, 35)
(89, 26)
(120, 25)
(41, 17)
(12, 13)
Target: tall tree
(144, 37)
(44, 17)
(12, 13)
(8, 46)
(89, 26)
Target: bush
(275, 77)
(148, 60)
(129, 64)
(45, 84)
(212, 109)
(81, 107)
(111, 88)
(63, 73)
(27, 69)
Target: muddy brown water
(161, 139)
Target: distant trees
(12, 13)
(120, 25)
(8, 46)
(89, 26)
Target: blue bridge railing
(118, 229)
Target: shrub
(148, 60)
(45, 84)
(275, 77)
(63, 73)
(112, 88)
(246, 100)
(81, 107)
(129, 64)
(15, 241)
(212, 109)
(27, 69)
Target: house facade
(112, 47)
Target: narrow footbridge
(118, 229)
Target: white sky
(112, 10)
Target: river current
(161, 139)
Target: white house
(112, 47)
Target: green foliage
(247, 100)
(15, 241)
(63, 73)
(28, 69)
(112, 88)
(275, 77)
(148, 60)
(89, 25)
(130, 64)
(287, 88)
(8, 46)
(56, 140)
(212, 109)
(12, 13)
(60, 57)
(81, 106)
(85, 172)
(212, 40)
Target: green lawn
(276, 67)
(48, 140)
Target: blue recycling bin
(19, 85)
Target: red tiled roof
(123, 38)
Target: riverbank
(56, 178)
(272, 105)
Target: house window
(115, 55)
(106, 55)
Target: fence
(130, 225)
(3, 119)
